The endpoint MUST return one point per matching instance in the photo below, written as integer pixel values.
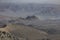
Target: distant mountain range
(42, 11)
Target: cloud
(33, 1)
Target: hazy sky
(33, 1)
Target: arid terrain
(23, 32)
(29, 21)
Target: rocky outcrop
(7, 36)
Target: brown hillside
(22, 31)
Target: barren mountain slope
(28, 33)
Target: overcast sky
(33, 1)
